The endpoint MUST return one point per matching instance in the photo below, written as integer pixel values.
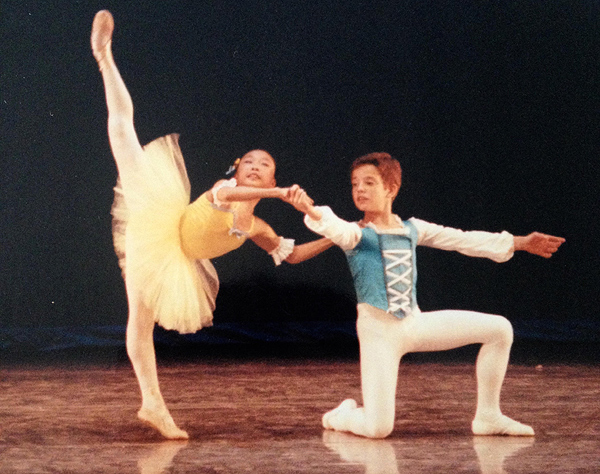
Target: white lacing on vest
(398, 272)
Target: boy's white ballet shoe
(501, 425)
(346, 405)
(101, 37)
(163, 423)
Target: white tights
(384, 339)
(129, 155)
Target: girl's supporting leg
(140, 348)
(443, 330)
(128, 155)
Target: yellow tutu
(150, 198)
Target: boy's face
(369, 192)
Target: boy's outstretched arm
(298, 198)
(322, 220)
(538, 244)
(266, 238)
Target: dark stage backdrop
(492, 108)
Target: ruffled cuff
(230, 183)
(283, 250)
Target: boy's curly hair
(388, 167)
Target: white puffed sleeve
(498, 247)
(283, 250)
(230, 183)
(345, 234)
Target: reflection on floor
(262, 416)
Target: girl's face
(369, 192)
(256, 169)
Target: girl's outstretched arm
(227, 194)
(245, 193)
(309, 250)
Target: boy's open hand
(539, 244)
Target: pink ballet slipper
(101, 37)
(162, 422)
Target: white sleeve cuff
(230, 183)
(283, 250)
(344, 234)
(320, 226)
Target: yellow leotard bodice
(208, 231)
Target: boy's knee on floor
(381, 429)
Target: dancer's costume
(383, 262)
(166, 243)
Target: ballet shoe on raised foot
(163, 423)
(348, 404)
(502, 425)
(101, 37)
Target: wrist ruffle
(283, 250)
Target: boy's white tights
(384, 339)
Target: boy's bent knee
(504, 330)
(379, 430)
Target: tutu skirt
(151, 195)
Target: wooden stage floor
(263, 416)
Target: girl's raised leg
(128, 155)
(124, 143)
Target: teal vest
(384, 269)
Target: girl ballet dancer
(166, 240)
(381, 253)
